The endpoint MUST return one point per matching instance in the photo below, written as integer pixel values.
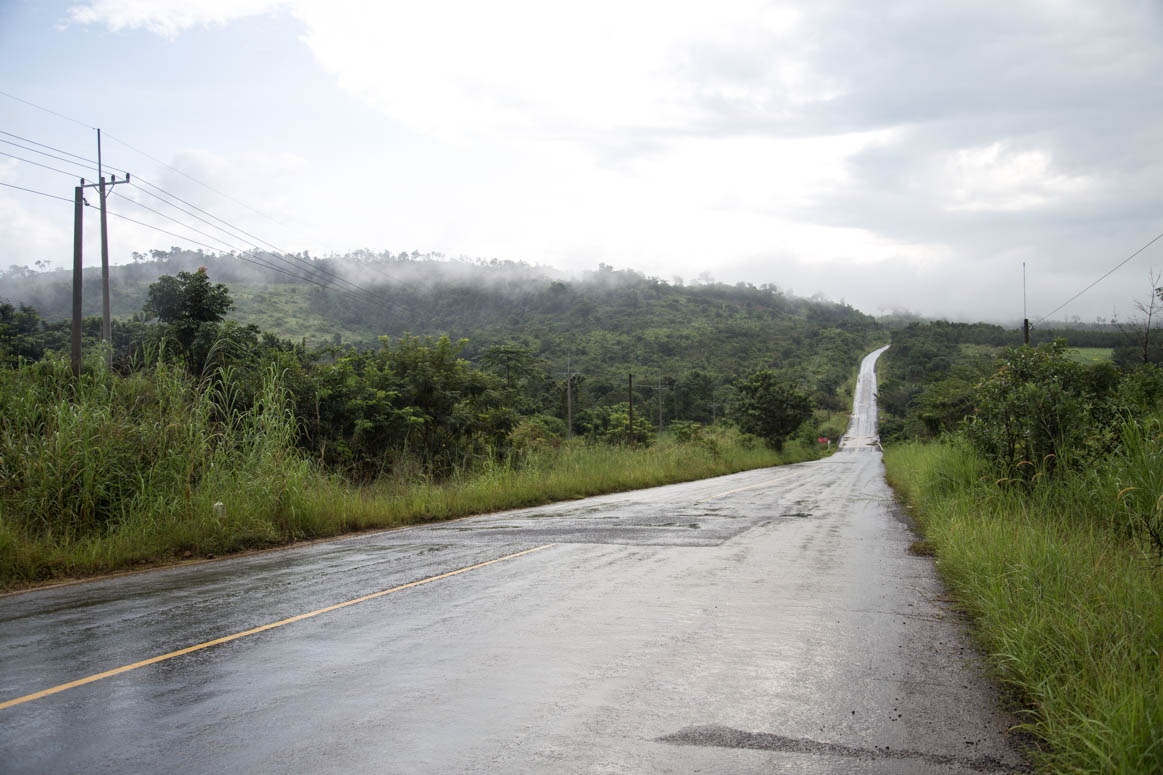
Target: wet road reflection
(778, 605)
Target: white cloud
(29, 236)
(459, 68)
(270, 179)
(837, 140)
(167, 18)
(999, 177)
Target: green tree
(19, 333)
(185, 303)
(512, 357)
(944, 402)
(691, 396)
(770, 407)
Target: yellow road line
(256, 630)
(749, 487)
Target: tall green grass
(1065, 584)
(108, 472)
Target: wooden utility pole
(78, 269)
(660, 389)
(631, 395)
(106, 319)
(714, 414)
(569, 375)
(1025, 315)
(78, 247)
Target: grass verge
(112, 473)
(1067, 597)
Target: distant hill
(607, 322)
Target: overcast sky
(894, 154)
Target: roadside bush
(693, 433)
(537, 432)
(611, 424)
(1040, 410)
(1142, 388)
(413, 398)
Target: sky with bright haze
(897, 155)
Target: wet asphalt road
(770, 621)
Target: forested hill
(607, 322)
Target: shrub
(1041, 410)
(770, 407)
(537, 432)
(611, 424)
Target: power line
(34, 191)
(184, 225)
(240, 254)
(152, 210)
(252, 259)
(355, 289)
(195, 180)
(163, 231)
(50, 155)
(46, 110)
(167, 217)
(199, 209)
(148, 156)
(38, 164)
(88, 164)
(30, 141)
(282, 254)
(1099, 280)
(50, 147)
(241, 257)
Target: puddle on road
(475, 528)
(565, 513)
(717, 736)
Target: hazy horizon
(900, 155)
(435, 269)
